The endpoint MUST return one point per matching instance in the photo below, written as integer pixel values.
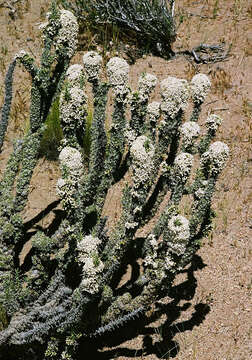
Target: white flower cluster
(216, 157)
(175, 95)
(168, 262)
(92, 63)
(118, 74)
(130, 135)
(164, 168)
(200, 85)
(71, 167)
(60, 187)
(153, 110)
(74, 74)
(201, 190)
(150, 259)
(87, 246)
(70, 159)
(66, 190)
(179, 234)
(213, 122)
(146, 84)
(142, 152)
(68, 33)
(92, 266)
(131, 225)
(183, 164)
(20, 54)
(49, 27)
(72, 106)
(190, 130)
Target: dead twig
(206, 54)
(10, 5)
(220, 109)
(201, 16)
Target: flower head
(118, 71)
(60, 187)
(213, 122)
(200, 85)
(87, 246)
(179, 234)
(75, 74)
(214, 159)
(190, 130)
(92, 266)
(68, 33)
(183, 164)
(153, 110)
(142, 152)
(146, 84)
(20, 54)
(71, 159)
(92, 63)
(72, 106)
(118, 74)
(175, 95)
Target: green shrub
(52, 135)
(148, 22)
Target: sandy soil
(209, 316)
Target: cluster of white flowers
(70, 158)
(168, 262)
(137, 210)
(118, 74)
(92, 266)
(66, 190)
(142, 152)
(216, 157)
(183, 164)
(200, 85)
(164, 168)
(153, 241)
(179, 234)
(175, 95)
(92, 63)
(72, 106)
(150, 259)
(60, 187)
(201, 191)
(131, 225)
(49, 27)
(153, 110)
(190, 130)
(20, 54)
(88, 245)
(130, 135)
(213, 122)
(68, 33)
(74, 74)
(118, 71)
(146, 84)
(71, 167)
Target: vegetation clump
(68, 291)
(149, 22)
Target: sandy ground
(209, 316)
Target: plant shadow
(157, 334)
(111, 346)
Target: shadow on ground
(113, 345)
(165, 347)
